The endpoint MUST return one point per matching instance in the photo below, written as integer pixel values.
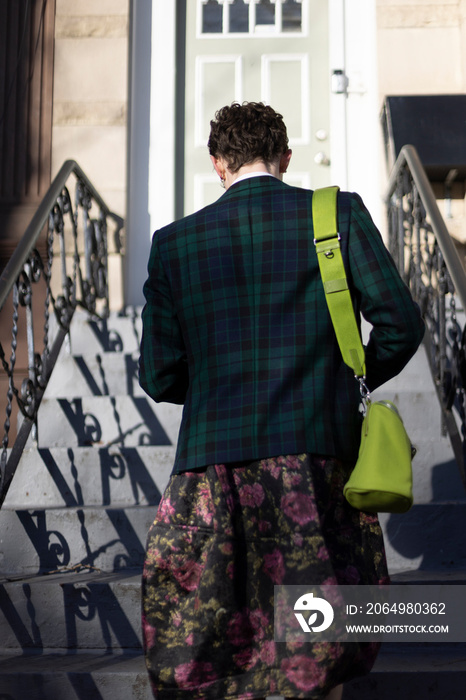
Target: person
(236, 328)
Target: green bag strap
(332, 270)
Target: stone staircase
(73, 529)
(74, 524)
(424, 546)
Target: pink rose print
(226, 548)
(205, 507)
(238, 476)
(267, 653)
(239, 630)
(290, 461)
(274, 566)
(177, 618)
(323, 554)
(349, 576)
(300, 507)
(165, 511)
(264, 526)
(231, 570)
(259, 621)
(330, 581)
(271, 466)
(249, 628)
(371, 518)
(246, 658)
(150, 634)
(188, 574)
(251, 495)
(246, 626)
(194, 674)
(303, 671)
(291, 479)
(221, 472)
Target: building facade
(128, 88)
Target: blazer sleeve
(163, 366)
(384, 300)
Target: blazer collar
(259, 183)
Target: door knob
(321, 158)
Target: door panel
(277, 53)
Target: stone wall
(90, 100)
(422, 51)
(421, 46)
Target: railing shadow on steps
(63, 258)
(426, 257)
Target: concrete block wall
(414, 38)
(90, 101)
(421, 50)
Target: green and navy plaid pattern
(236, 326)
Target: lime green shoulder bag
(382, 479)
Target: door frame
(355, 160)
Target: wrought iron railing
(60, 264)
(429, 263)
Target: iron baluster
(9, 368)
(70, 233)
(431, 266)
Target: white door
(272, 51)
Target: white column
(338, 128)
(162, 115)
(363, 108)
(138, 222)
(354, 117)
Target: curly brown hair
(245, 133)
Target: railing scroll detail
(425, 254)
(60, 264)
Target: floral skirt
(222, 538)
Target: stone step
(432, 577)
(80, 633)
(90, 610)
(128, 421)
(429, 534)
(435, 673)
(426, 536)
(436, 476)
(137, 420)
(74, 676)
(106, 538)
(415, 375)
(124, 476)
(86, 611)
(429, 537)
(419, 409)
(403, 671)
(88, 476)
(119, 333)
(101, 374)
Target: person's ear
(285, 160)
(219, 167)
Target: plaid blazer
(236, 326)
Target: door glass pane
(212, 14)
(239, 17)
(291, 16)
(265, 13)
